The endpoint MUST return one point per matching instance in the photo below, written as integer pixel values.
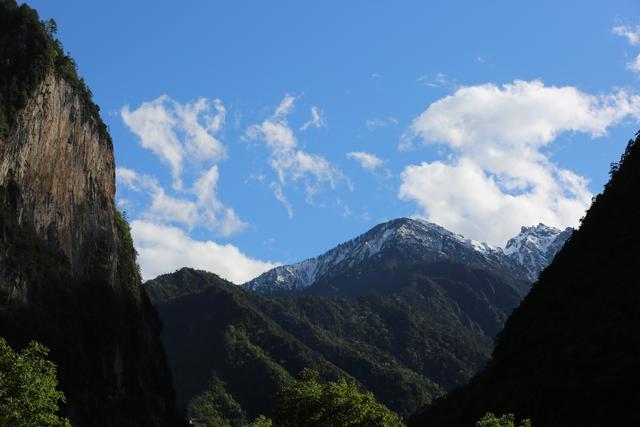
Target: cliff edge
(68, 275)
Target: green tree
(308, 403)
(215, 406)
(506, 420)
(261, 421)
(28, 394)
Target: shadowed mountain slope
(568, 356)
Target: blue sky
(253, 133)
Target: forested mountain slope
(568, 356)
(428, 335)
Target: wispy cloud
(317, 119)
(285, 107)
(632, 34)
(373, 124)
(279, 195)
(289, 162)
(366, 160)
(436, 80)
(177, 132)
(197, 207)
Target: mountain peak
(415, 240)
(535, 246)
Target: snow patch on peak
(535, 247)
(525, 256)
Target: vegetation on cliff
(103, 332)
(28, 51)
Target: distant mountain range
(524, 256)
(408, 310)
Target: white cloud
(435, 80)
(496, 177)
(374, 124)
(213, 213)
(171, 209)
(368, 161)
(346, 210)
(128, 177)
(199, 126)
(317, 119)
(290, 163)
(630, 33)
(205, 211)
(634, 65)
(163, 248)
(183, 136)
(177, 132)
(279, 195)
(285, 107)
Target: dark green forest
(568, 355)
(408, 346)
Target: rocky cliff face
(68, 274)
(61, 173)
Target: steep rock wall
(68, 275)
(62, 173)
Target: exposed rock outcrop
(68, 274)
(63, 169)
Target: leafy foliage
(216, 407)
(569, 354)
(261, 421)
(507, 420)
(28, 50)
(28, 393)
(407, 346)
(309, 403)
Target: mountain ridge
(421, 240)
(407, 347)
(424, 311)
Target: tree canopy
(506, 420)
(308, 403)
(28, 388)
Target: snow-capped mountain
(416, 240)
(534, 248)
